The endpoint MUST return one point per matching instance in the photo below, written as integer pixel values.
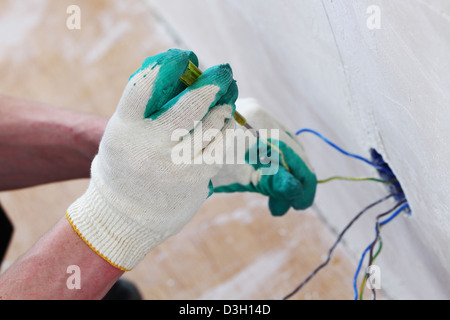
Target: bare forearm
(41, 144)
(42, 273)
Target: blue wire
(400, 209)
(355, 278)
(340, 149)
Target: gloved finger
(230, 97)
(217, 116)
(278, 207)
(189, 152)
(296, 164)
(154, 84)
(208, 131)
(212, 124)
(282, 185)
(306, 178)
(191, 105)
(213, 154)
(309, 185)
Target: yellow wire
(281, 155)
(283, 160)
(355, 179)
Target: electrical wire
(355, 278)
(399, 207)
(404, 206)
(340, 149)
(378, 226)
(348, 154)
(322, 265)
(363, 283)
(385, 172)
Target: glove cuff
(115, 237)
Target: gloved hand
(137, 196)
(293, 187)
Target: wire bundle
(401, 206)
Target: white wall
(316, 64)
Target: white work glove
(294, 186)
(138, 196)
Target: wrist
(85, 135)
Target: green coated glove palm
(275, 165)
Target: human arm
(137, 196)
(40, 143)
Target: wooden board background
(233, 249)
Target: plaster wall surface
(321, 65)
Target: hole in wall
(386, 173)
